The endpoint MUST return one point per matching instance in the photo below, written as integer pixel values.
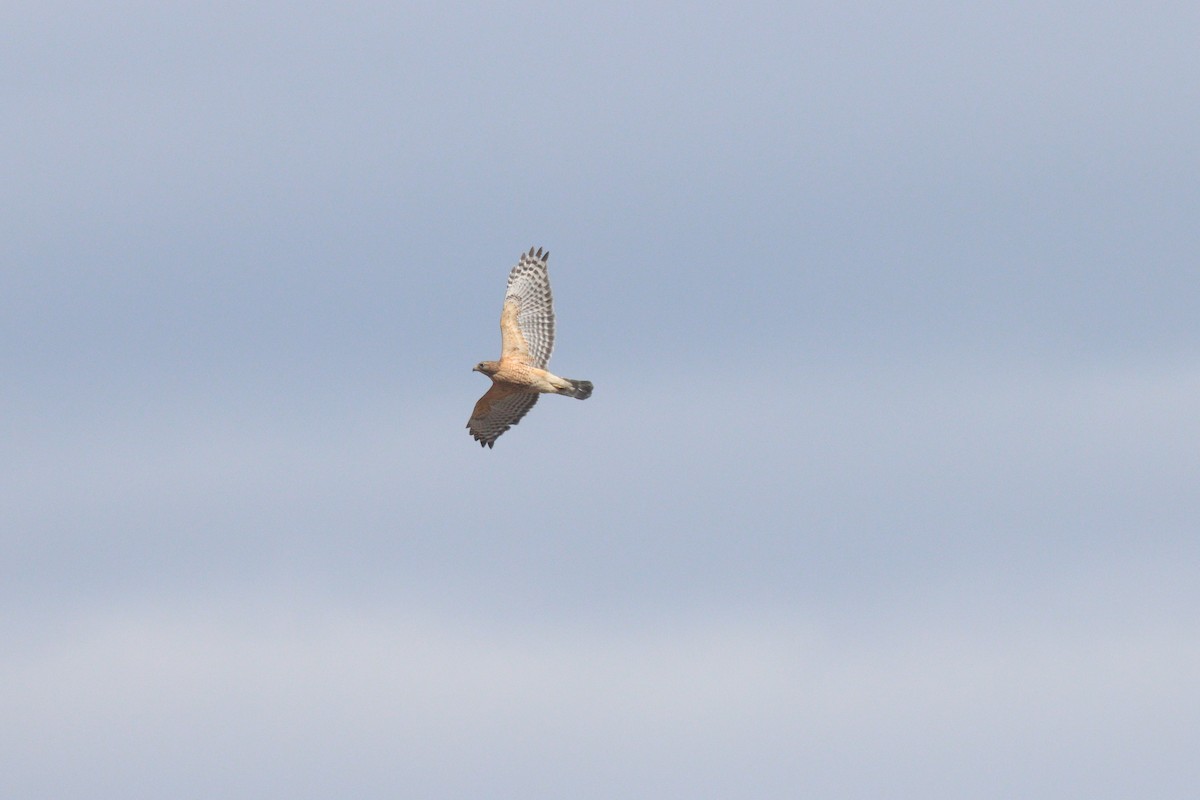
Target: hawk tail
(580, 390)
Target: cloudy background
(888, 487)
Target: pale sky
(887, 487)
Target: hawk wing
(499, 409)
(527, 323)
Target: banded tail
(580, 390)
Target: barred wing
(527, 323)
(499, 409)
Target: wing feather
(527, 322)
(499, 409)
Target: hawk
(527, 337)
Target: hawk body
(527, 339)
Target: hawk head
(486, 367)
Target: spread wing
(527, 323)
(499, 409)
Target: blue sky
(887, 487)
